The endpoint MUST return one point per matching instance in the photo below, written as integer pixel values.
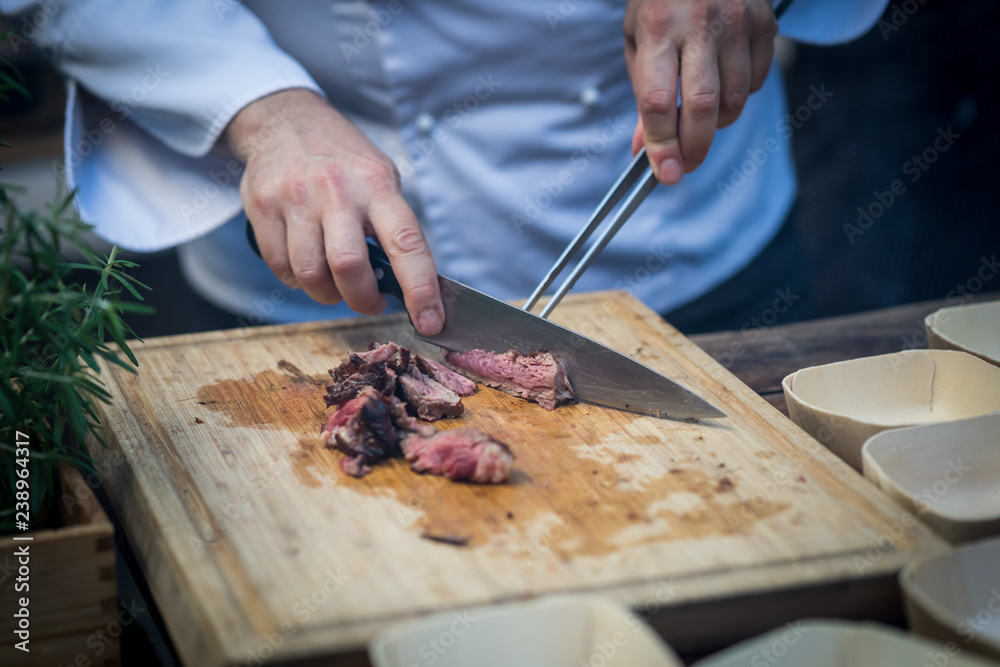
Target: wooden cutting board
(251, 536)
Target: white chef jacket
(508, 122)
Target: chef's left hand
(720, 49)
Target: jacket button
(424, 123)
(589, 96)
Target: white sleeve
(151, 87)
(830, 21)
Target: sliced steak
(372, 421)
(354, 374)
(394, 356)
(430, 399)
(364, 430)
(404, 423)
(440, 373)
(460, 454)
(538, 377)
(383, 381)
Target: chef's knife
(598, 374)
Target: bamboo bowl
(948, 474)
(559, 631)
(972, 328)
(955, 597)
(844, 403)
(828, 643)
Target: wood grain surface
(251, 537)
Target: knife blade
(597, 373)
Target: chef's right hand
(314, 188)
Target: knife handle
(384, 275)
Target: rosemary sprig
(52, 332)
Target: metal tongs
(633, 186)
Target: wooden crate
(72, 588)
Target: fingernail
(670, 171)
(430, 322)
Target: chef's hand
(722, 51)
(313, 188)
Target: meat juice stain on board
(558, 500)
(284, 399)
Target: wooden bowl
(972, 328)
(559, 631)
(955, 597)
(948, 474)
(845, 403)
(822, 643)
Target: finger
(271, 241)
(347, 256)
(654, 78)
(762, 52)
(637, 138)
(734, 79)
(403, 240)
(305, 252)
(262, 206)
(699, 101)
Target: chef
(470, 138)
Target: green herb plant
(53, 330)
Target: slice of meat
(440, 373)
(460, 454)
(394, 356)
(430, 399)
(364, 430)
(373, 363)
(380, 378)
(355, 466)
(405, 424)
(352, 364)
(538, 377)
(354, 374)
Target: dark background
(893, 90)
